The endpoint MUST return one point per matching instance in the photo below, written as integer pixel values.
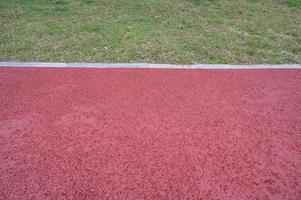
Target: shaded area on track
(150, 134)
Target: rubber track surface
(150, 134)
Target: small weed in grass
(198, 2)
(137, 4)
(59, 2)
(294, 3)
(88, 2)
(92, 28)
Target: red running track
(150, 134)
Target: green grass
(155, 31)
(294, 3)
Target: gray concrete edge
(151, 66)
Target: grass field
(155, 31)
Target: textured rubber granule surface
(150, 134)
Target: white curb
(151, 66)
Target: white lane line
(147, 65)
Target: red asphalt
(150, 134)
